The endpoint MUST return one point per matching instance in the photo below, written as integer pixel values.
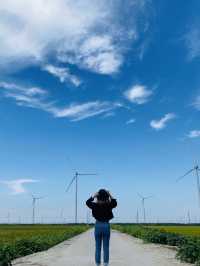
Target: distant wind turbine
(189, 217)
(34, 199)
(143, 205)
(194, 170)
(75, 179)
(137, 217)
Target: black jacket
(102, 212)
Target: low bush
(6, 252)
(188, 247)
(190, 251)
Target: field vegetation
(187, 230)
(185, 238)
(21, 240)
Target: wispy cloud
(77, 112)
(17, 186)
(31, 91)
(37, 98)
(162, 123)
(138, 94)
(63, 74)
(89, 33)
(109, 114)
(196, 103)
(192, 41)
(130, 121)
(24, 96)
(194, 134)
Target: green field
(21, 240)
(180, 229)
(11, 233)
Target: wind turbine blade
(87, 174)
(70, 183)
(140, 195)
(148, 197)
(31, 195)
(181, 177)
(39, 198)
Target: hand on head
(108, 192)
(96, 195)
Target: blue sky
(111, 87)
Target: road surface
(125, 251)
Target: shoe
(106, 264)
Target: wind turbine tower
(34, 199)
(189, 217)
(137, 217)
(143, 205)
(75, 179)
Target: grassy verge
(188, 246)
(17, 241)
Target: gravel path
(125, 251)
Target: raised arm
(90, 202)
(113, 201)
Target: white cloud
(192, 41)
(89, 33)
(17, 186)
(77, 112)
(37, 98)
(109, 114)
(130, 121)
(99, 54)
(194, 134)
(31, 91)
(24, 96)
(160, 124)
(138, 94)
(63, 74)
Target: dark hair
(103, 195)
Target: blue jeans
(102, 235)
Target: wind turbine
(143, 205)
(88, 217)
(194, 170)
(75, 179)
(137, 217)
(189, 217)
(34, 199)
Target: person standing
(101, 204)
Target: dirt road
(125, 251)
